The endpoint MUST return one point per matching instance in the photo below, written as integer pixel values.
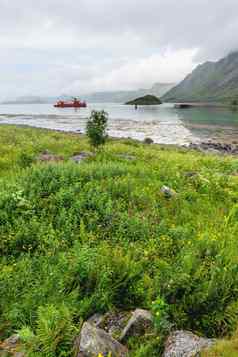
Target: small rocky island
(146, 100)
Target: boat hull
(81, 105)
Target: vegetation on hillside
(209, 82)
(146, 100)
(83, 238)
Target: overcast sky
(50, 47)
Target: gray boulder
(185, 344)
(168, 192)
(93, 340)
(139, 323)
(78, 158)
(96, 320)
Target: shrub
(54, 333)
(148, 141)
(96, 128)
(161, 317)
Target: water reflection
(217, 123)
(164, 123)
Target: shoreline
(206, 147)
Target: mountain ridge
(210, 81)
(158, 89)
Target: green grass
(80, 239)
(224, 348)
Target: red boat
(75, 103)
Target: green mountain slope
(211, 81)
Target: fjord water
(163, 123)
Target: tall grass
(80, 239)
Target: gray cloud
(50, 47)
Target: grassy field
(83, 238)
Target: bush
(54, 333)
(96, 128)
(148, 141)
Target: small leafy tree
(96, 128)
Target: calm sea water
(164, 123)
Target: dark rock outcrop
(215, 148)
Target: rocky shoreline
(215, 147)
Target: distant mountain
(158, 89)
(209, 82)
(31, 100)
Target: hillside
(101, 236)
(211, 81)
(145, 100)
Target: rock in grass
(9, 347)
(139, 323)
(93, 341)
(168, 192)
(96, 320)
(46, 157)
(81, 157)
(12, 341)
(185, 344)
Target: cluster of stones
(104, 335)
(216, 148)
(46, 156)
(108, 334)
